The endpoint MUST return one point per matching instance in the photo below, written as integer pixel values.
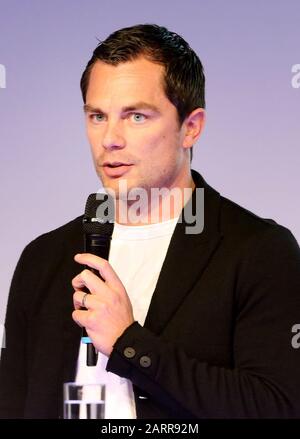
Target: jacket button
(129, 352)
(145, 361)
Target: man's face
(131, 121)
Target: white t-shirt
(136, 254)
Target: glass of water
(84, 401)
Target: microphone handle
(91, 353)
(99, 246)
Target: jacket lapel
(187, 257)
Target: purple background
(250, 148)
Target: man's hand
(109, 310)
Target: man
(187, 325)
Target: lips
(115, 164)
(116, 169)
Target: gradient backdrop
(250, 148)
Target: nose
(113, 136)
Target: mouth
(116, 169)
(115, 164)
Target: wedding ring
(83, 300)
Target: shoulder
(241, 229)
(261, 241)
(240, 222)
(46, 255)
(55, 239)
(60, 233)
(232, 220)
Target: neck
(157, 206)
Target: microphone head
(99, 214)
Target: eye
(138, 117)
(96, 117)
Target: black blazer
(217, 337)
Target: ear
(194, 124)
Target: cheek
(151, 140)
(95, 151)
(91, 135)
(163, 146)
(94, 140)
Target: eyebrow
(134, 107)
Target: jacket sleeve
(265, 379)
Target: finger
(85, 318)
(77, 282)
(103, 266)
(91, 281)
(80, 317)
(82, 299)
(81, 279)
(78, 299)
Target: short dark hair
(184, 80)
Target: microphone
(98, 225)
